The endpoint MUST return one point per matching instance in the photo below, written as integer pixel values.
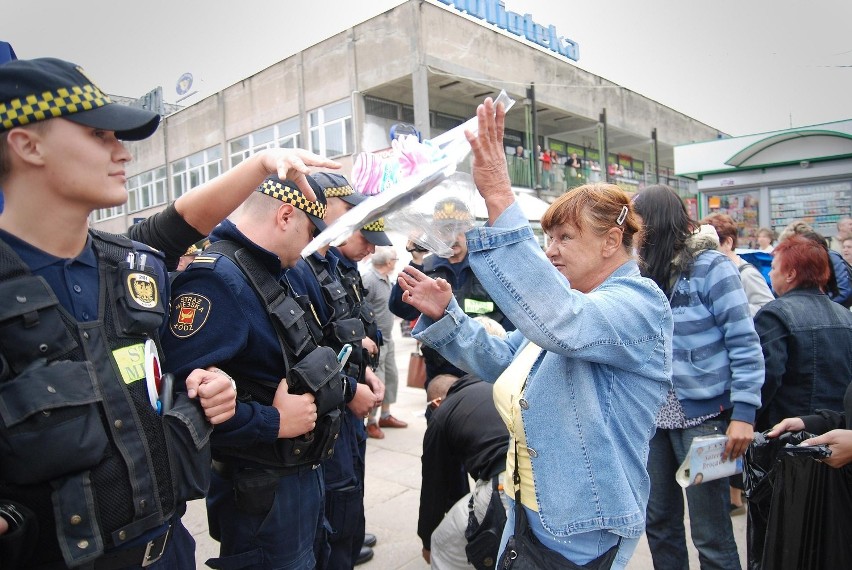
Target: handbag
(525, 552)
(483, 538)
(416, 369)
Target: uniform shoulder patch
(189, 313)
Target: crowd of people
(139, 372)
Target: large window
(195, 170)
(147, 189)
(283, 135)
(243, 147)
(288, 133)
(331, 129)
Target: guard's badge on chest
(142, 289)
(189, 313)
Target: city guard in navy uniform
(319, 278)
(451, 218)
(97, 454)
(231, 309)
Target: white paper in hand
(704, 461)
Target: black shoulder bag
(483, 538)
(525, 552)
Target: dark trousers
(269, 528)
(344, 501)
(179, 552)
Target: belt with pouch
(227, 469)
(140, 555)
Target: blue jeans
(578, 548)
(710, 519)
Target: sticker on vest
(131, 362)
(189, 313)
(472, 306)
(142, 289)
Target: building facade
(772, 179)
(422, 66)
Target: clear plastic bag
(437, 219)
(396, 180)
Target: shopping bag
(416, 370)
(798, 515)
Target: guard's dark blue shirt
(346, 264)
(75, 281)
(219, 320)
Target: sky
(740, 66)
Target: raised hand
(292, 164)
(429, 296)
(490, 173)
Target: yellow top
(508, 393)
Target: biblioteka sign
(494, 12)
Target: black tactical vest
(309, 368)
(344, 326)
(77, 424)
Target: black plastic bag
(798, 515)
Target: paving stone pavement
(393, 490)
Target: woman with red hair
(806, 338)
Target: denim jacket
(590, 401)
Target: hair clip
(622, 216)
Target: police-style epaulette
(204, 262)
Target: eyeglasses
(433, 404)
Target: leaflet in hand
(704, 461)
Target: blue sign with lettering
(494, 12)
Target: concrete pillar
(420, 91)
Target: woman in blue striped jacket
(717, 373)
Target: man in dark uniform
(230, 310)
(91, 473)
(98, 457)
(319, 277)
(452, 218)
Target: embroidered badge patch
(142, 289)
(189, 313)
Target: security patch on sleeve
(189, 313)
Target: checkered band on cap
(377, 226)
(292, 196)
(339, 191)
(452, 211)
(49, 104)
